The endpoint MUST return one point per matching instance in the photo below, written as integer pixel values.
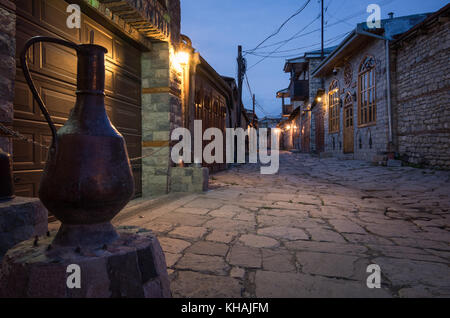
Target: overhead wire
(281, 26)
(343, 20)
(266, 54)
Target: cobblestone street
(309, 231)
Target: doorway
(348, 124)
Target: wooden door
(319, 131)
(348, 125)
(53, 68)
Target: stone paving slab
(310, 230)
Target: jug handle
(26, 73)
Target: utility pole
(322, 55)
(321, 51)
(253, 119)
(241, 72)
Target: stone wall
(161, 113)
(371, 142)
(422, 99)
(7, 67)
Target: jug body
(88, 178)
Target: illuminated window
(366, 91)
(333, 107)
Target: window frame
(369, 89)
(334, 111)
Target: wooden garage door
(54, 71)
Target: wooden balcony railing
(149, 17)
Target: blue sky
(216, 27)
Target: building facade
(382, 94)
(358, 93)
(301, 115)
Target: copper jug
(87, 178)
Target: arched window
(366, 92)
(333, 107)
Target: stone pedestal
(189, 179)
(132, 266)
(20, 219)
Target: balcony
(149, 17)
(287, 109)
(299, 90)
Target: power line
(251, 94)
(281, 26)
(343, 20)
(265, 54)
(281, 45)
(274, 51)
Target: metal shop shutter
(54, 72)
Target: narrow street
(309, 231)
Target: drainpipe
(388, 79)
(388, 84)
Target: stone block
(20, 219)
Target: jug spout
(91, 69)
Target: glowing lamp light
(288, 127)
(319, 99)
(182, 57)
(181, 60)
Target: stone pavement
(309, 231)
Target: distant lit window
(367, 94)
(333, 107)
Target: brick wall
(422, 98)
(7, 67)
(370, 143)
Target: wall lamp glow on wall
(182, 58)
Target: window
(366, 92)
(333, 107)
